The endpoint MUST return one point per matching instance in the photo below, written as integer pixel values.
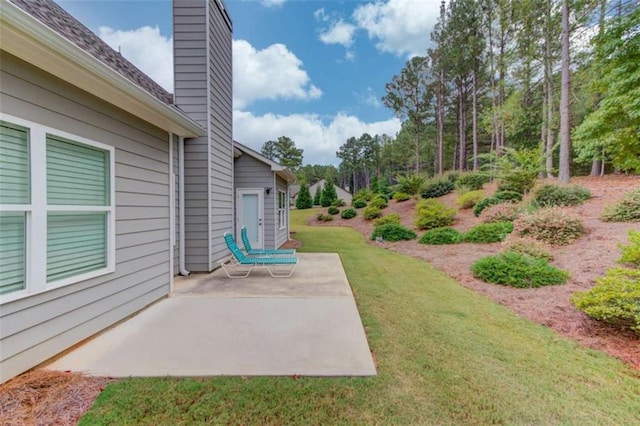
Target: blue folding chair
(262, 252)
(278, 267)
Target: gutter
(181, 266)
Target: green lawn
(445, 355)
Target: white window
(282, 209)
(57, 220)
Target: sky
(311, 70)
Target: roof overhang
(286, 174)
(27, 38)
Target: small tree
(329, 194)
(304, 201)
(316, 198)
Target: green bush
(392, 232)
(551, 225)
(324, 217)
(379, 202)
(401, 196)
(470, 199)
(520, 181)
(528, 246)
(410, 184)
(488, 232)
(615, 299)
(329, 193)
(631, 252)
(627, 210)
(389, 218)
(508, 196)
(484, 203)
(338, 203)
(438, 236)
(348, 214)
(372, 212)
(554, 195)
(451, 176)
(518, 270)
(359, 203)
(364, 193)
(504, 212)
(333, 210)
(436, 187)
(304, 200)
(471, 181)
(431, 214)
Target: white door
(250, 215)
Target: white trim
(181, 226)
(282, 225)
(209, 136)
(172, 212)
(26, 37)
(36, 212)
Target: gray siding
(281, 235)
(176, 205)
(251, 173)
(37, 327)
(202, 62)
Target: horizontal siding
(39, 326)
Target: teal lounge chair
(260, 252)
(278, 267)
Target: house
(110, 185)
(262, 198)
(342, 193)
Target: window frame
(282, 210)
(36, 212)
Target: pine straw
(43, 397)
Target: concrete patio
(212, 325)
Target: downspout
(181, 267)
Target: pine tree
(303, 200)
(316, 197)
(329, 194)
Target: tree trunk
(596, 166)
(492, 80)
(461, 127)
(440, 120)
(475, 120)
(565, 140)
(549, 85)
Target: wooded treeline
(560, 76)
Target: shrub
(328, 194)
(410, 184)
(614, 299)
(401, 196)
(318, 194)
(372, 212)
(304, 200)
(379, 202)
(470, 199)
(519, 182)
(359, 203)
(348, 214)
(364, 193)
(488, 232)
(389, 218)
(631, 252)
(551, 225)
(627, 210)
(438, 236)
(484, 203)
(554, 195)
(503, 212)
(528, 246)
(436, 187)
(451, 176)
(508, 196)
(338, 203)
(333, 210)
(518, 270)
(433, 214)
(324, 217)
(471, 181)
(393, 232)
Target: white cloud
(147, 49)
(402, 27)
(320, 141)
(369, 97)
(271, 73)
(339, 32)
(273, 3)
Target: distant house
(109, 185)
(342, 193)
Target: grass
(445, 355)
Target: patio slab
(211, 325)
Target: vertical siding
(251, 173)
(38, 327)
(220, 130)
(281, 235)
(203, 89)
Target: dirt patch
(43, 397)
(586, 259)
